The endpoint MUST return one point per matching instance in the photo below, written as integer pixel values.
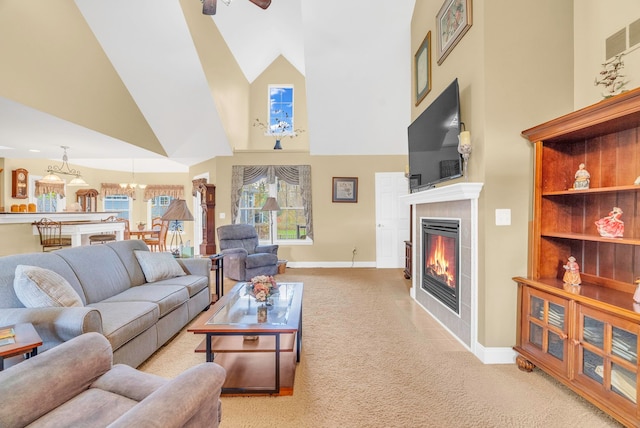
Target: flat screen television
(433, 142)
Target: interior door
(392, 219)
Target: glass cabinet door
(545, 327)
(608, 356)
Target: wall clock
(20, 184)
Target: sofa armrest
(196, 266)
(55, 324)
(271, 249)
(190, 399)
(40, 384)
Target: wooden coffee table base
(254, 363)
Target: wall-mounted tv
(433, 142)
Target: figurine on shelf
(636, 295)
(582, 178)
(572, 272)
(611, 226)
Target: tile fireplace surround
(459, 202)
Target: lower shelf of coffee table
(250, 364)
(239, 344)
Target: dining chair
(104, 237)
(127, 231)
(50, 232)
(158, 242)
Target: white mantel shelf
(452, 192)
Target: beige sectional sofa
(116, 299)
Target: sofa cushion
(157, 266)
(122, 321)
(93, 407)
(193, 283)
(37, 287)
(166, 297)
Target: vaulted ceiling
(117, 80)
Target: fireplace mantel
(453, 192)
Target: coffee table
(27, 341)
(262, 366)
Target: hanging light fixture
(64, 169)
(133, 184)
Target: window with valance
(289, 184)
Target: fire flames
(442, 253)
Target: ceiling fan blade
(209, 7)
(261, 3)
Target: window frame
(271, 216)
(278, 116)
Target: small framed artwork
(452, 22)
(345, 189)
(422, 69)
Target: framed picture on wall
(422, 69)
(452, 22)
(345, 189)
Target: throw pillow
(157, 266)
(37, 287)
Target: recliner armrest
(272, 249)
(238, 252)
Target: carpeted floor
(372, 358)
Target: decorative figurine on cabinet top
(572, 272)
(611, 226)
(582, 178)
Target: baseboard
(495, 355)
(332, 264)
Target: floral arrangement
(262, 287)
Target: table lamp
(177, 212)
(271, 205)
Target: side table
(217, 265)
(27, 342)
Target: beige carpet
(372, 358)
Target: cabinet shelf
(591, 238)
(631, 188)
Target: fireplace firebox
(440, 261)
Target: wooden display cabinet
(585, 336)
(88, 200)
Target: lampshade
(178, 210)
(271, 205)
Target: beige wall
(506, 86)
(594, 21)
(338, 226)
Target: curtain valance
(44, 188)
(110, 189)
(172, 190)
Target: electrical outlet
(355, 251)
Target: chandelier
(64, 169)
(133, 185)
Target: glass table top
(242, 308)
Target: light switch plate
(503, 217)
